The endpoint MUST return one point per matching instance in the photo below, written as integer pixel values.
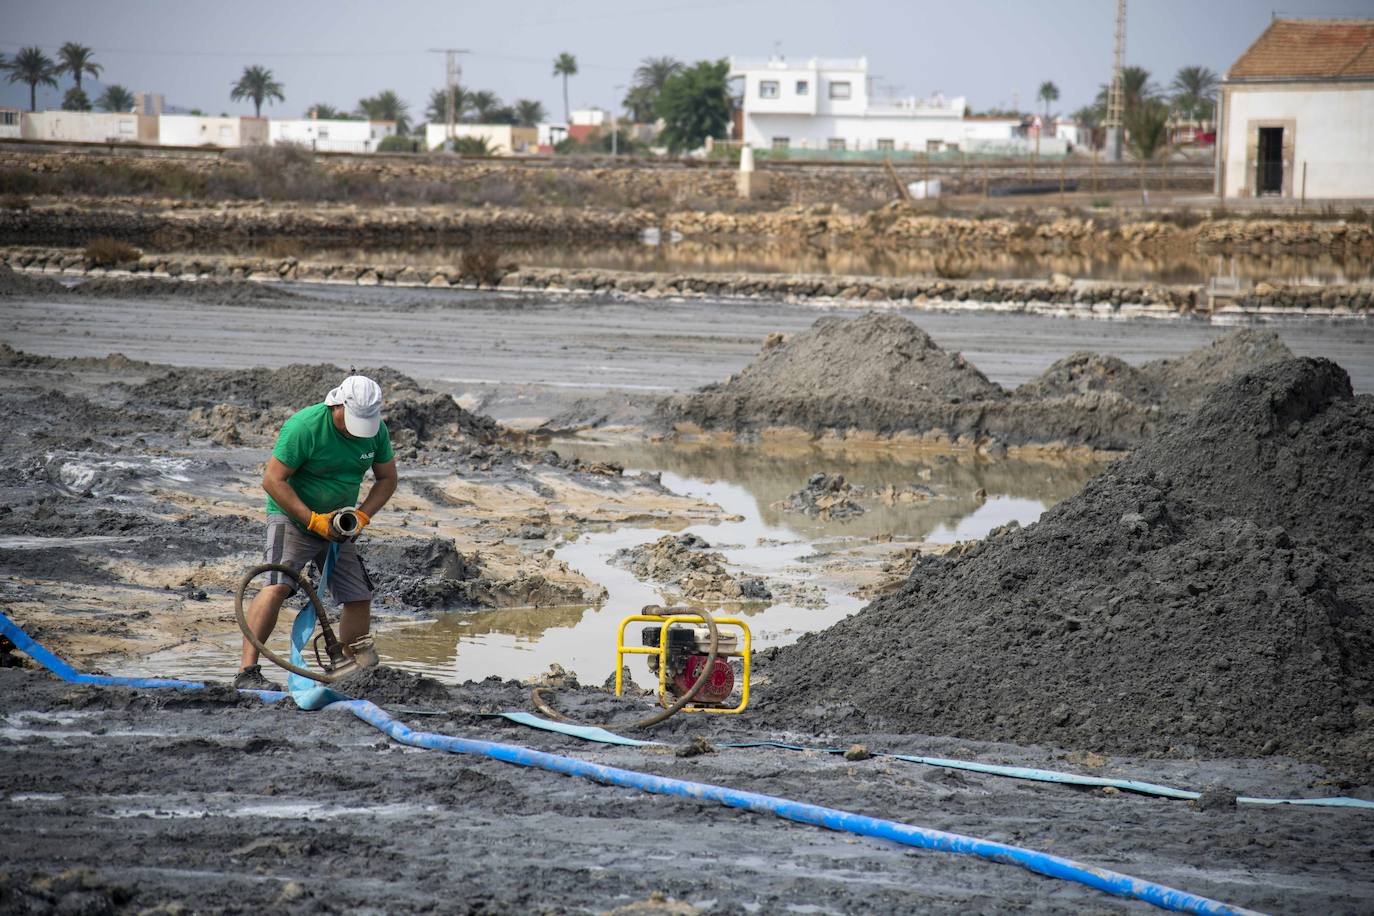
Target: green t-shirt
(329, 465)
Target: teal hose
(1041, 863)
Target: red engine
(720, 681)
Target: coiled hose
(540, 696)
(304, 584)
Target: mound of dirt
(209, 292)
(873, 356)
(13, 284)
(824, 496)
(881, 374)
(688, 564)
(392, 685)
(230, 399)
(115, 362)
(1213, 593)
(1085, 373)
(428, 573)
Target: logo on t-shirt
(366, 456)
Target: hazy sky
(991, 51)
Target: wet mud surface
(220, 804)
(1203, 605)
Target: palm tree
(76, 59)
(1136, 88)
(437, 110)
(565, 65)
(32, 66)
(115, 98)
(387, 106)
(649, 79)
(1147, 128)
(528, 112)
(485, 105)
(257, 84)
(1049, 93)
(76, 100)
(1193, 88)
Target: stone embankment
(1058, 295)
(174, 223)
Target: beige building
(502, 139)
(88, 127)
(1296, 115)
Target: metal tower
(451, 74)
(1116, 92)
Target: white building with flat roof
(824, 104)
(200, 130)
(501, 139)
(328, 135)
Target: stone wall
(1059, 296)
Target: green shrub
(104, 251)
(396, 144)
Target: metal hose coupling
(345, 524)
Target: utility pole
(1116, 92)
(452, 70)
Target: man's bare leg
(262, 619)
(355, 622)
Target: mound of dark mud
(687, 563)
(1184, 380)
(14, 284)
(392, 685)
(429, 573)
(413, 414)
(208, 292)
(876, 355)
(1085, 373)
(881, 374)
(1213, 593)
(11, 358)
(57, 420)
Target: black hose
(248, 633)
(543, 705)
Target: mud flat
(134, 503)
(881, 375)
(1210, 594)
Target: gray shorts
(288, 545)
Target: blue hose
(920, 837)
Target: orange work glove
(363, 520)
(319, 525)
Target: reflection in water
(785, 548)
(913, 260)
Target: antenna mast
(452, 70)
(1116, 92)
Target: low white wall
(1333, 135)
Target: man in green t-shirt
(317, 468)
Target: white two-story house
(824, 104)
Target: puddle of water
(34, 542)
(786, 548)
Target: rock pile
(687, 564)
(830, 496)
(1213, 593)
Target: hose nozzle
(345, 524)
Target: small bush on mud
(1101, 203)
(107, 252)
(481, 263)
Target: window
(835, 143)
(839, 90)
(126, 127)
(887, 145)
(768, 89)
(803, 87)
(324, 132)
(782, 143)
(224, 132)
(934, 146)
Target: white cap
(362, 403)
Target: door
(1269, 173)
